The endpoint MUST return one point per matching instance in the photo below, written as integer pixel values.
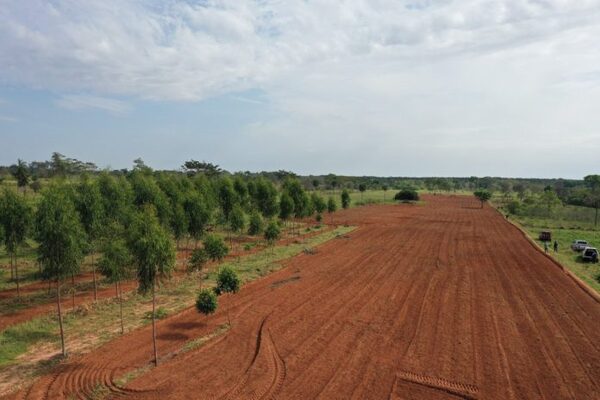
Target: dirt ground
(436, 301)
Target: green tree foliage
(88, 202)
(116, 265)
(227, 196)
(58, 165)
(154, 256)
(550, 200)
(272, 232)
(345, 199)
(174, 188)
(482, 195)
(286, 206)
(198, 260)
(15, 218)
(264, 197)
(385, 189)
(592, 196)
(331, 205)
(407, 194)
(256, 225)
(237, 219)
(241, 190)
(21, 174)
(206, 302)
(193, 167)
(215, 247)
(300, 199)
(60, 237)
(117, 198)
(197, 215)
(318, 203)
(227, 281)
(362, 188)
(147, 192)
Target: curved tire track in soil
(437, 302)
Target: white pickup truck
(579, 245)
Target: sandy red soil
(441, 301)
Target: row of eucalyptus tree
(136, 221)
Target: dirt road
(438, 301)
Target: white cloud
(190, 50)
(82, 102)
(447, 84)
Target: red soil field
(439, 301)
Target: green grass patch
(15, 340)
(565, 232)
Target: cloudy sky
(381, 87)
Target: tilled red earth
(441, 301)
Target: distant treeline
(570, 191)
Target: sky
(383, 87)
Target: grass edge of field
(567, 261)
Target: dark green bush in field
(215, 247)
(227, 281)
(206, 302)
(483, 196)
(407, 195)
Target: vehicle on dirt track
(589, 254)
(579, 245)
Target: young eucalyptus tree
(345, 199)
(286, 207)
(331, 206)
(227, 282)
(237, 221)
(60, 237)
(153, 254)
(197, 215)
(272, 233)
(206, 302)
(116, 265)
(15, 218)
(91, 211)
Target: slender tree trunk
(73, 289)
(14, 257)
(596, 216)
(12, 270)
(154, 325)
(121, 307)
(60, 320)
(94, 275)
